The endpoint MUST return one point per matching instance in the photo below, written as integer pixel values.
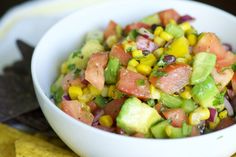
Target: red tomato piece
(94, 72)
(195, 131)
(167, 15)
(117, 51)
(145, 44)
(113, 107)
(110, 30)
(128, 83)
(177, 116)
(177, 76)
(75, 110)
(137, 26)
(226, 122)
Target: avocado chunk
(95, 35)
(203, 65)
(174, 132)
(151, 19)
(111, 71)
(158, 130)
(171, 101)
(137, 117)
(174, 30)
(56, 90)
(188, 105)
(205, 92)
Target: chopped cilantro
(233, 66)
(76, 53)
(133, 34)
(219, 99)
(151, 102)
(159, 73)
(161, 62)
(129, 49)
(77, 72)
(140, 82)
(71, 67)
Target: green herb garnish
(76, 53)
(233, 66)
(140, 82)
(161, 62)
(133, 34)
(129, 49)
(77, 72)
(151, 102)
(219, 99)
(71, 67)
(159, 73)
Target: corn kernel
(106, 120)
(213, 125)
(104, 92)
(129, 46)
(181, 60)
(158, 31)
(86, 97)
(133, 63)
(137, 54)
(223, 114)
(189, 57)
(192, 39)
(199, 114)
(159, 41)
(64, 69)
(187, 93)
(144, 69)
(191, 31)
(149, 60)
(158, 52)
(155, 94)
(131, 68)
(185, 26)
(110, 91)
(93, 90)
(166, 36)
(75, 92)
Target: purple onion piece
(213, 114)
(227, 47)
(228, 107)
(66, 97)
(185, 18)
(97, 114)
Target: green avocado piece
(111, 71)
(203, 65)
(174, 30)
(151, 19)
(158, 130)
(205, 92)
(56, 90)
(137, 117)
(95, 35)
(173, 132)
(188, 105)
(171, 101)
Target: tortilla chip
(7, 150)
(35, 147)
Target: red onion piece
(185, 18)
(66, 97)
(227, 47)
(97, 114)
(145, 44)
(228, 107)
(213, 114)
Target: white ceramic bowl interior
(68, 34)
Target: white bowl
(87, 141)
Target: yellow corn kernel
(191, 31)
(166, 36)
(185, 26)
(149, 60)
(64, 69)
(106, 120)
(129, 46)
(86, 97)
(158, 31)
(192, 39)
(186, 94)
(223, 114)
(110, 91)
(181, 60)
(137, 54)
(155, 93)
(159, 41)
(158, 52)
(131, 68)
(199, 114)
(144, 69)
(104, 92)
(213, 125)
(133, 62)
(93, 90)
(75, 92)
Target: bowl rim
(54, 108)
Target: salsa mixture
(155, 78)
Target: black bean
(169, 59)
(154, 26)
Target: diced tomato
(195, 131)
(233, 82)
(177, 76)
(128, 83)
(226, 122)
(117, 51)
(209, 42)
(92, 105)
(222, 78)
(177, 116)
(145, 44)
(167, 15)
(75, 110)
(110, 30)
(113, 107)
(94, 72)
(137, 26)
